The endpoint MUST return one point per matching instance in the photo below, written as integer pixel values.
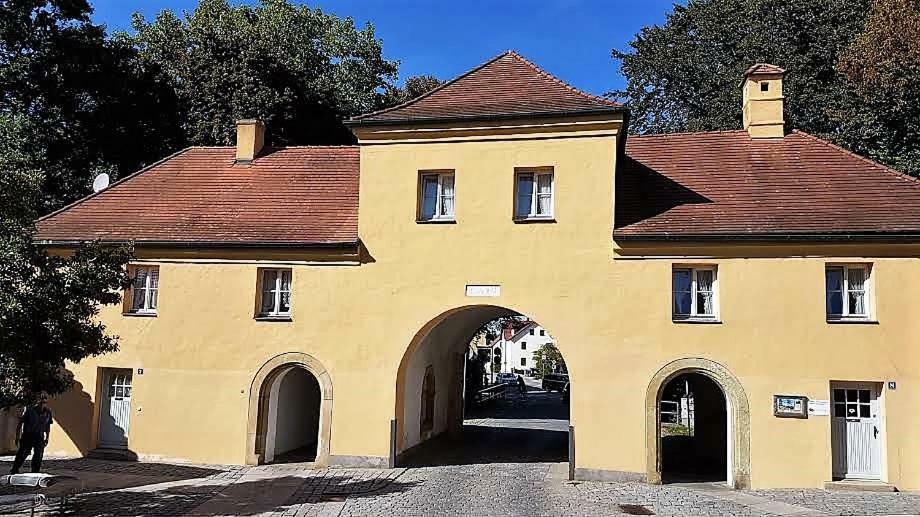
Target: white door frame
(876, 419)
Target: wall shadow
(73, 411)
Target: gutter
(203, 244)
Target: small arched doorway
(290, 409)
(722, 429)
(693, 430)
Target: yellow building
(269, 312)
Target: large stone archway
(259, 395)
(739, 417)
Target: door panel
(855, 431)
(115, 417)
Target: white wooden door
(856, 431)
(115, 417)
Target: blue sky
(570, 38)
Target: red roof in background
(507, 85)
(728, 184)
(764, 69)
(287, 196)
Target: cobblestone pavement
(511, 461)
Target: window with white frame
(523, 361)
(523, 345)
(694, 294)
(144, 289)
(534, 195)
(436, 196)
(276, 293)
(847, 291)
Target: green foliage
(300, 70)
(684, 75)
(48, 304)
(415, 86)
(548, 359)
(90, 103)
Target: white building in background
(515, 349)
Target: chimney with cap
(762, 101)
(250, 137)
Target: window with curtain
(276, 293)
(144, 289)
(694, 293)
(847, 291)
(534, 196)
(436, 197)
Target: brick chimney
(762, 101)
(250, 137)
(509, 332)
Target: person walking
(521, 386)
(33, 432)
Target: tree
(48, 304)
(92, 105)
(548, 359)
(683, 75)
(883, 64)
(416, 86)
(300, 70)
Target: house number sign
(486, 291)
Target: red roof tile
(288, 196)
(507, 85)
(720, 184)
(764, 69)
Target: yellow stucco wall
(608, 308)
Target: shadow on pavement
(480, 444)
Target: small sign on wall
(790, 406)
(819, 407)
(484, 291)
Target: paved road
(474, 476)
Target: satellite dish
(101, 182)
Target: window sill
(281, 318)
(698, 321)
(852, 321)
(436, 221)
(525, 220)
(140, 314)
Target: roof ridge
(873, 163)
(118, 182)
(559, 81)
(683, 133)
(432, 91)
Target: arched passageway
(693, 432)
(697, 425)
(459, 401)
(290, 412)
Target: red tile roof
(507, 85)
(764, 69)
(289, 196)
(725, 184)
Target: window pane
(833, 278)
(524, 194)
(704, 303)
(864, 411)
(268, 285)
(154, 273)
(545, 196)
(429, 196)
(447, 195)
(704, 280)
(285, 302)
(839, 395)
(857, 278)
(285, 280)
(864, 396)
(851, 395)
(681, 279)
(840, 410)
(140, 277)
(138, 302)
(153, 298)
(834, 303)
(857, 303)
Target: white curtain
(856, 288)
(544, 194)
(704, 279)
(447, 196)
